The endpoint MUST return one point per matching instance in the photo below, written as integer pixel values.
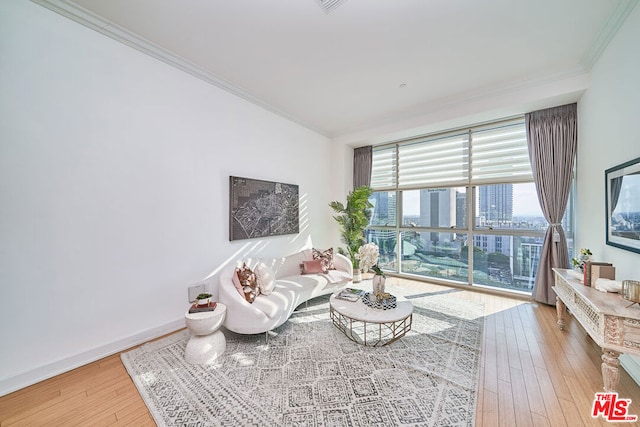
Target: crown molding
(622, 10)
(90, 20)
(84, 17)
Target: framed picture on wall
(622, 202)
(262, 208)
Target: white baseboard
(631, 364)
(32, 376)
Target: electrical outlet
(195, 290)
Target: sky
(629, 200)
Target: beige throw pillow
(266, 278)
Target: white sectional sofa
(291, 289)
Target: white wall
(607, 136)
(608, 115)
(114, 171)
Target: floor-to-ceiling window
(460, 206)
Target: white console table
(606, 317)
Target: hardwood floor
(532, 374)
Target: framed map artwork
(262, 208)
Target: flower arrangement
(368, 256)
(585, 255)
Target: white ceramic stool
(207, 343)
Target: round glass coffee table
(371, 326)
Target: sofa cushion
(265, 277)
(249, 284)
(290, 265)
(282, 301)
(313, 267)
(326, 257)
(337, 276)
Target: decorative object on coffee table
(380, 300)
(379, 279)
(350, 294)
(368, 255)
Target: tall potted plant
(353, 219)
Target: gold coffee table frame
(371, 326)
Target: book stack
(350, 294)
(195, 308)
(596, 270)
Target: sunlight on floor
(420, 287)
(243, 359)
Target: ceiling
(367, 61)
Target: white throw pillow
(265, 277)
(290, 265)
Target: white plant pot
(204, 301)
(357, 276)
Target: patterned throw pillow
(326, 257)
(249, 284)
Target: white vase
(204, 301)
(378, 284)
(357, 276)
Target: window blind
(434, 161)
(500, 153)
(490, 154)
(383, 168)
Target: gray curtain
(362, 159)
(616, 186)
(552, 136)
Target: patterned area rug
(310, 374)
